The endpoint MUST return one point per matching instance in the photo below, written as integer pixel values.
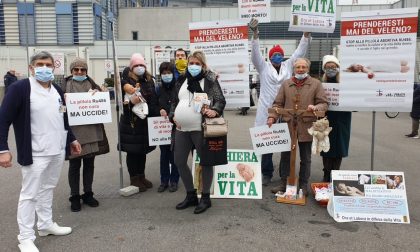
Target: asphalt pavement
(149, 222)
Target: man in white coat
(272, 74)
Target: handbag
(215, 127)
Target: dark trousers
(305, 162)
(183, 144)
(330, 164)
(415, 125)
(74, 174)
(267, 167)
(168, 170)
(136, 164)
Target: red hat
(275, 49)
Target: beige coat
(311, 92)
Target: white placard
(370, 196)
(254, 9)
(225, 44)
(160, 129)
(58, 63)
(313, 16)
(378, 59)
(270, 140)
(85, 108)
(239, 178)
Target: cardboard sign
(58, 63)
(270, 140)
(85, 108)
(371, 196)
(160, 129)
(313, 16)
(240, 178)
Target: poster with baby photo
(225, 44)
(377, 59)
(240, 178)
(371, 196)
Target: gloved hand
(253, 24)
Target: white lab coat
(270, 80)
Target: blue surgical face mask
(139, 71)
(332, 72)
(79, 77)
(44, 74)
(277, 59)
(301, 76)
(194, 70)
(167, 78)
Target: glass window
(135, 35)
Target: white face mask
(301, 76)
(139, 71)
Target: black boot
(204, 203)
(75, 203)
(327, 176)
(190, 200)
(89, 200)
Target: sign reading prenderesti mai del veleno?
(88, 108)
(239, 178)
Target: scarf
(299, 83)
(194, 83)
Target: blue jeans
(168, 170)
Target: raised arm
(256, 56)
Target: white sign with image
(313, 16)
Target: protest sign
(160, 130)
(85, 108)
(332, 92)
(270, 140)
(371, 196)
(254, 9)
(313, 16)
(225, 44)
(378, 59)
(239, 178)
(109, 65)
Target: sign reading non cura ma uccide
(88, 108)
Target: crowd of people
(36, 107)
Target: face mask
(167, 78)
(331, 72)
(139, 71)
(277, 59)
(301, 76)
(79, 77)
(44, 74)
(181, 65)
(194, 70)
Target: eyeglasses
(78, 69)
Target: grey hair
(308, 62)
(41, 55)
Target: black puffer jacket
(211, 87)
(134, 132)
(415, 111)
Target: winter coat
(270, 80)
(340, 121)
(415, 111)
(211, 87)
(165, 96)
(134, 134)
(8, 80)
(311, 92)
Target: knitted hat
(275, 49)
(78, 62)
(329, 58)
(137, 59)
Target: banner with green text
(313, 16)
(239, 178)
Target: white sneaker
(55, 230)
(27, 246)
